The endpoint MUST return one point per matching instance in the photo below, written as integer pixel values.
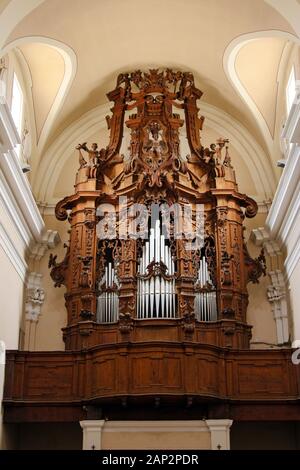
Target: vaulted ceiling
(74, 50)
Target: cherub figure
(93, 155)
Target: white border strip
(12, 254)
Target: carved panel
(207, 374)
(103, 376)
(40, 380)
(252, 379)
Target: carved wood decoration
(156, 318)
(209, 282)
(241, 385)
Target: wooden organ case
(156, 242)
(156, 273)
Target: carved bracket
(125, 323)
(59, 270)
(255, 267)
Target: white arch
(229, 59)
(56, 156)
(70, 62)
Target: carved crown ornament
(155, 234)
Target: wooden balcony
(186, 379)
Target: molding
(13, 210)
(292, 215)
(155, 426)
(17, 199)
(47, 209)
(50, 239)
(21, 191)
(9, 136)
(12, 253)
(259, 236)
(285, 192)
(264, 206)
(284, 214)
(14, 176)
(292, 259)
(276, 293)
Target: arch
(55, 157)
(70, 62)
(229, 59)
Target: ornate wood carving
(154, 171)
(122, 355)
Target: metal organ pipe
(156, 294)
(205, 298)
(108, 300)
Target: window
(290, 91)
(17, 108)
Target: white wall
(283, 221)
(21, 228)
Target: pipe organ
(156, 319)
(127, 286)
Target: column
(220, 433)
(92, 431)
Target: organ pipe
(156, 293)
(108, 300)
(205, 297)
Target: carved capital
(49, 240)
(35, 296)
(125, 323)
(188, 323)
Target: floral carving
(59, 270)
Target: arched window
(290, 90)
(17, 102)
